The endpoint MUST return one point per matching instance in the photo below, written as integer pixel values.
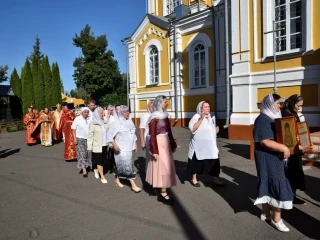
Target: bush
(113, 99)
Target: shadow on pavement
(181, 170)
(192, 231)
(302, 222)
(140, 164)
(311, 190)
(242, 150)
(238, 194)
(6, 153)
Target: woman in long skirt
(294, 169)
(203, 151)
(121, 134)
(274, 189)
(80, 127)
(161, 171)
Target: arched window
(199, 63)
(153, 65)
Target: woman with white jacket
(97, 143)
(203, 151)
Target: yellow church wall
(164, 60)
(309, 92)
(289, 62)
(191, 102)
(185, 57)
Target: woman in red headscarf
(67, 117)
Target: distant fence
(12, 126)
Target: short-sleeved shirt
(81, 126)
(144, 121)
(264, 129)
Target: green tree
(15, 83)
(56, 84)
(96, 70)
(47, 80)
(36, 50)
(27, 87)
(16, 101)
(37, 82)
(113, 99)
(3, 73)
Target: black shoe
(164, 200)
(85, 175)
(195, 184)
(298, 201)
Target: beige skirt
(161, 173)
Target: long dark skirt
(207, 166)
(99, 158)
(294, 172)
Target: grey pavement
(44, 197)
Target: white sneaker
(263, 217)
(96, 174)
(280, 226)
(104, 180)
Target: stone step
(312, 160)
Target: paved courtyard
(44, 197)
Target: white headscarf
(96, 118)
(158, 112)
(199, 108)
(85, 109)
(268, 107)
(126, 124)
(107, 112)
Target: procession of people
(104, 140)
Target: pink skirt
(161, 173)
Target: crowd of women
(103, 140)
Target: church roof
(6, 90)
(162, 22)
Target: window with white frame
(288, 24)
(199, 66)
(153, 58)
(170, 6)
(290, 18)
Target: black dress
(294, 171)
(205, 166)
(272, 185)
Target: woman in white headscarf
(161, 171)
(80, 128)
(122, 135)
(274, 191)
(97, 144)
(203, 151)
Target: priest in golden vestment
(45, 125)
(57, 118)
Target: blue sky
(56, 22)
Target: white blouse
(125, 139)
(203, 141)
(144, 120)
(81, 125)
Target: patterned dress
(273, 186)
(30, 121)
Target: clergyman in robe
(45, 125)
(67, 118)
(30, 120)
(57, 118)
